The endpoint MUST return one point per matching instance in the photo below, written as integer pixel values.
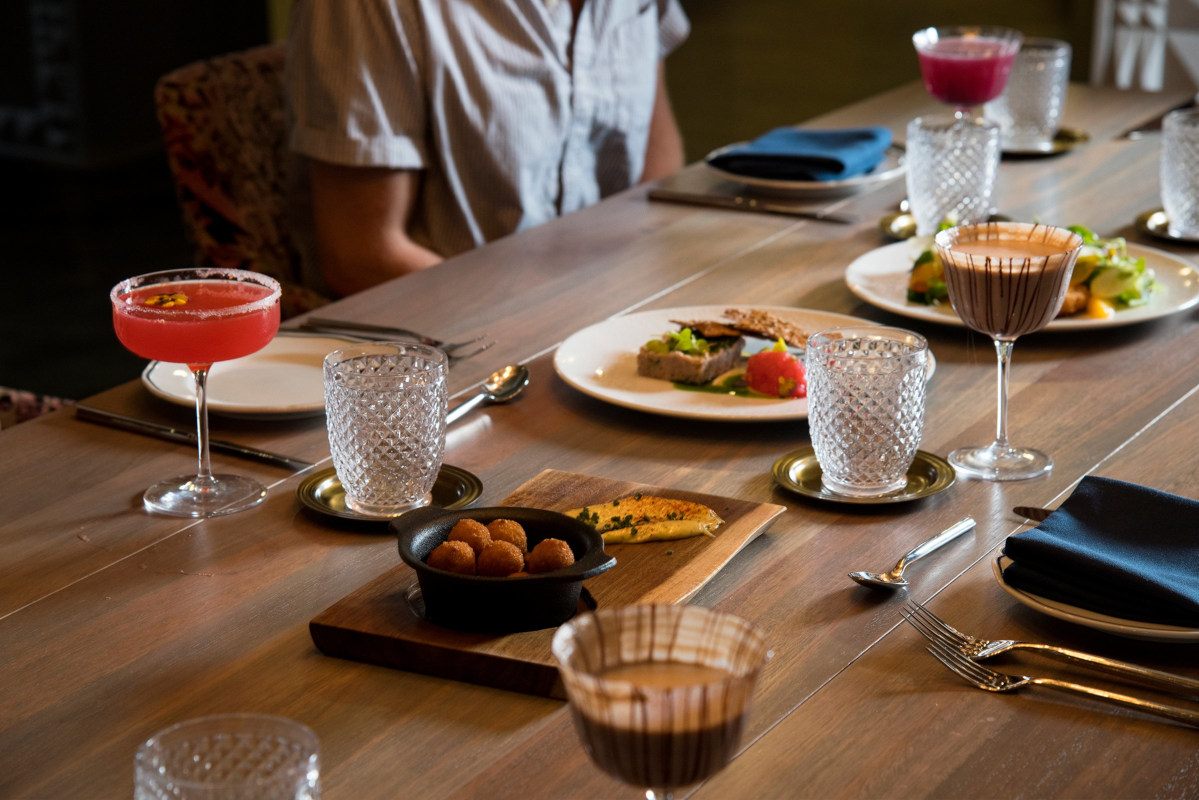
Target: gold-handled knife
(173, 434)
(1035, 514)
(740, 203)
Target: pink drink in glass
(219, 320)
(966, 66)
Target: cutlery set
(364, 330)
(961, 654)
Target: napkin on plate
(1116, 548)
(796, 154)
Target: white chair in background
(1146, 44)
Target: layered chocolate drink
(1007, 287)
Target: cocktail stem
(1003, 349)
(203, 479)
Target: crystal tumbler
(1030, 108)
(385, 407)
(866, 406)
(229, 756)
(951, 168)
(1180, 172)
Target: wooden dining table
(115, 623)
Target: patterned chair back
(224, 124)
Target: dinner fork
(936, 629)
(989, 680)
(365, 330)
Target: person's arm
(360, 219)
(664, 151)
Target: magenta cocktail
(198, 317)
(966, 66)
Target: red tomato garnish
(776, 374)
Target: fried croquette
(549, 555)
(453, 557)
(500, 559)
(473, 532)
(509, 530)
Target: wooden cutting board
(380, 623)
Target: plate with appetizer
(1114, 283)
(699, 362)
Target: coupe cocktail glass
(1006, 279)
(197, 317)
(966, 65)
(659, 694)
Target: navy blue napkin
(796, 154)
(1116, 548)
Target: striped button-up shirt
(511, 120)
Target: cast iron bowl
(500, 605)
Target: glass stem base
(204, 495)
(1000, 462)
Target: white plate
(1092, 619)
(601, 361)
(890, 167)
(880, 277)
(281, 381)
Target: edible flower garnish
(167, 300)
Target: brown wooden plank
(378, 624)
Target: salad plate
(1092, 619)
(891, 167)
(880, 277)
(601, 361)
(283, 380)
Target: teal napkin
(798, 154)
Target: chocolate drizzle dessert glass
(1006, 279)
(659, 694)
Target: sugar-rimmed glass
(1006, 279)
(659, 694)
(197, 317)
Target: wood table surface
(116, 623)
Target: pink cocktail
(966, 66)
(198, 317)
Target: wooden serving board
(378, 624)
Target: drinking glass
(385, 405)
(1030, 108)
(1180, 172)
(1006, 279)
(231, 757)
(866, 406)
(659, 694)
(198, 317)
(966, 65)
(951, 169)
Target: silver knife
(173, 434)
(739, 203)
(1035, 514)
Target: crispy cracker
(766, 325)
(709, 328)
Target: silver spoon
(894, 579)
(500, 387)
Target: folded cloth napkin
(807, 155)
(1115, 548)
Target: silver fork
(989, 680)
(368, 331)
(933, 627)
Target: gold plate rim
(1065, 140)
(804, 460)
(1156, 224)
(314, 493)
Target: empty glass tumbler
(951, 167)
(232, 757)
(1030, 109)
(866, 406)
(1180, 172)
(385, 407)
